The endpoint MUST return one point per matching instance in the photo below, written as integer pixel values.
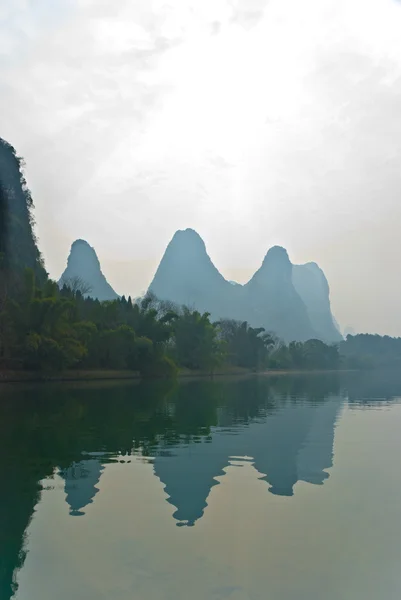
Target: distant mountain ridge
(84, 271)
(292, 301)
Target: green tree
(246, 346)
(196, 345)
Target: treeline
(367, 351)
(361, 352)
(45, 328)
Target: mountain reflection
(293, 442)
(189, 432)
(80, 484)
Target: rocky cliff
(18, 245)
(311, 284)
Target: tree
(280, 358)
(196, 345)
(246, 346)
(76, 284)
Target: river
(277, 488)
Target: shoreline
(108, 375)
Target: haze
(255, 122)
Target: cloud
(78, 84)
(248, 13)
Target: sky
(255, 122)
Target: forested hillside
(18, 245)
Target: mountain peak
(273, 295)
(188, 248)
(312, 265)
(81, 243)
(277, 251)
(277, 254)
(186, 275)
(275, 264)
(79, 249)
(188, 238)
(83, 266)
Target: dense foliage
(18, 247)
(45, 328)
(364, 351)
(245, 346)
(313, 354)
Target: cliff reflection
(189, 432)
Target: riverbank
(275, 372)
(105, 375)
(37, 376)
(109, 375)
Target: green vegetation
(367, 351)
(313, 354)
(245, 346)
(18, 246)
(44, 328)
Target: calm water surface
(277, 489)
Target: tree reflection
(189, 431)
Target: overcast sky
(255, 122)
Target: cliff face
(274, 302)
(83, 272)
(311, 284)
(17, 240)
(186, 275)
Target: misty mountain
(274, 302)
(311, 284)
(83, 272)
(292, 302)
(187, 276)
